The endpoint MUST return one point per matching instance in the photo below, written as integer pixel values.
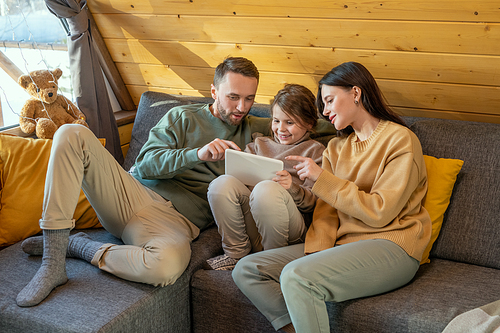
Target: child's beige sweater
(300, 190)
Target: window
(32, 38)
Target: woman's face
(339, 105)
(286, 129)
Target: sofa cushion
(440, 291)
(23, 165)
(470, 231)
(95, 301)
(219, 306)
(441, 176)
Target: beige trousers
(157, 237)
(251, 221)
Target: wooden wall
(431, 58)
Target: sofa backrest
(471, 229)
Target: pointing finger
(296, 158)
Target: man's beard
(226, 115)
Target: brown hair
(238, 65)
(298, 103)
(350, 74)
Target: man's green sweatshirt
(168, 162)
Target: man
(159, 210)
(181, 174)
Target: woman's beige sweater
(372, 190)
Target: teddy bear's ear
(57, 73)
(24, 81)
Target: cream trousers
(157, 237)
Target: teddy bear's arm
(70, 108)
(27, 115)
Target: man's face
(234, 97)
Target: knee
(266, 189)
(267, 186)
(291, 278)
(267, 192)
(223, 181)
(70, 130)
(163, 266)
(225, 188)
(221, 185)
(242, 271)
(69, 134)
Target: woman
(369, 227)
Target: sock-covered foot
(34, 245)
(52, 272)
(82, 247)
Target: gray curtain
(87, 77)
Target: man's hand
(284, 178)
(215, 150)
(306, 168)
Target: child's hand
(216, 150)
(284, 178)
(307, 168)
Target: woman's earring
(356, 102)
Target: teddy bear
(46, 110)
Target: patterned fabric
(222, 263)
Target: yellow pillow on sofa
(23, 165)
(441, 176)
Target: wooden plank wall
(431, 58)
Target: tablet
(249, 168)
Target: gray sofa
(464, 272)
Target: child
(269, 215)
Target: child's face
(286, 129)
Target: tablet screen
(249, 168)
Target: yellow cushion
(23, 165)
(441, 176)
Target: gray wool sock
(82, 247)
(34, 245)
(52, 272)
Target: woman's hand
(306, 168)
(215, 150)
(284, 178)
